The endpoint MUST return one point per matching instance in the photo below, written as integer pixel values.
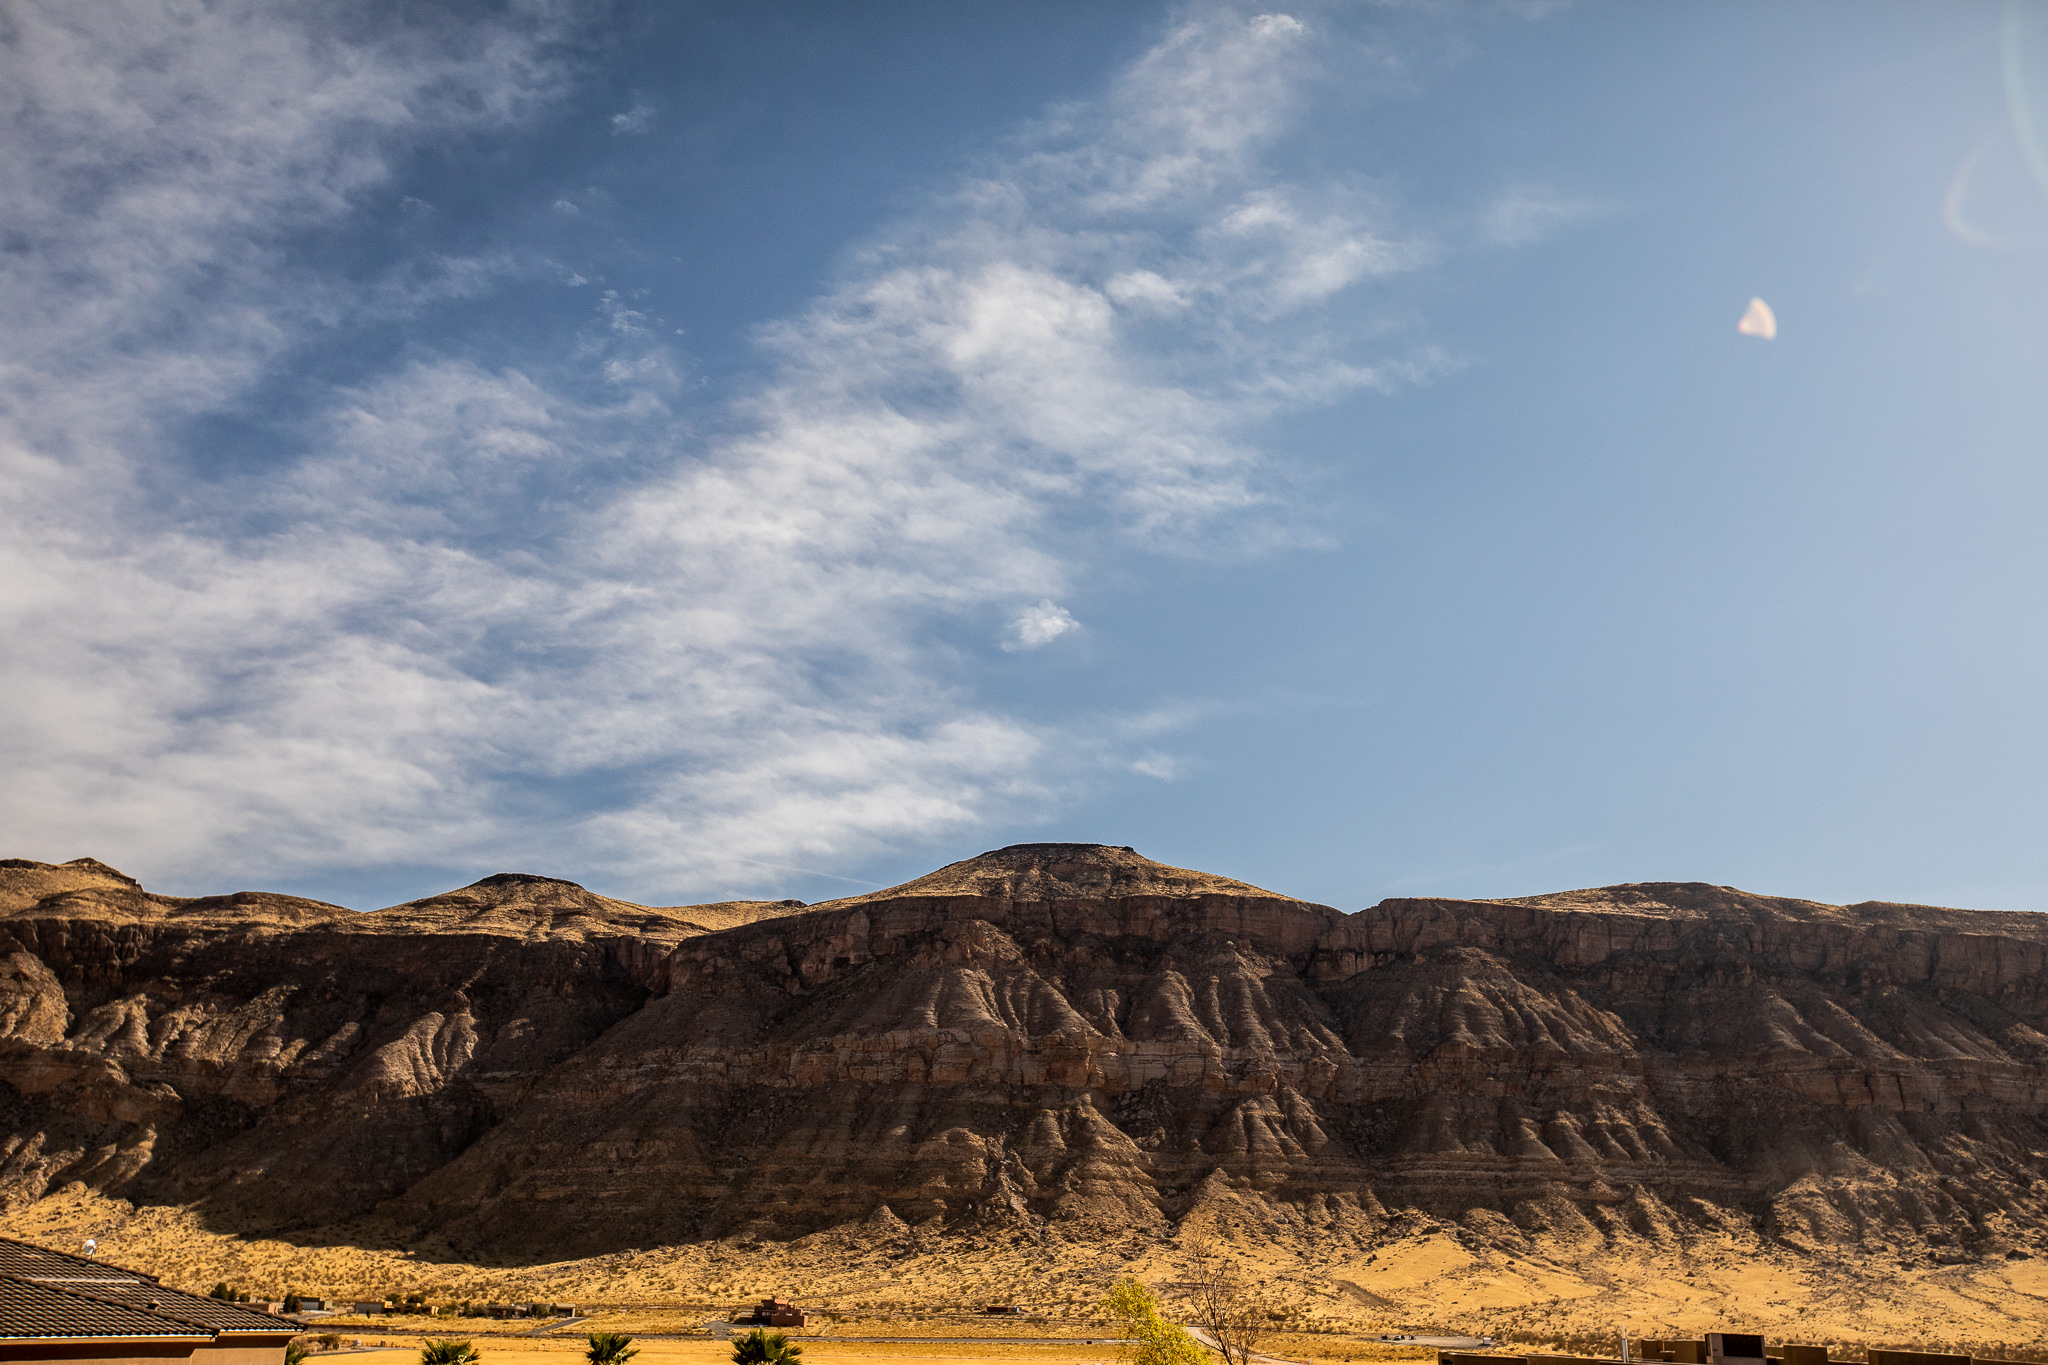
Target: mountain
(1049, 1039)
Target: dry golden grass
(964, 1328)
(542, 1351)
(1557, 1296)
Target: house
(772, 1313)
(58, 1307)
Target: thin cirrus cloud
(1522, 214)
(372, 654)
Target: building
(60, 1308)
(772, 1313)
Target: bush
(449, 1353)
(610, 1348)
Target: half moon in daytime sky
(1759, 321)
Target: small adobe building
(772, 1312)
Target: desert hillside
(1029, 1071)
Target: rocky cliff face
(1049, 1035)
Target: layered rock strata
(1069, 1035)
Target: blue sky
(772, 448)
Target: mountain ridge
(1045, 1040)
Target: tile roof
(29, 1310)
(117, 1292)
(22, 1258)
(216, 1314)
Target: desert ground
(1332, 1301)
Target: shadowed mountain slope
(1050, 1035)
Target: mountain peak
(508, 880)
(1058, 872)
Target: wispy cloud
(634, 122)
(1522, 214)
(468, 595)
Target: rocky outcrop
(1048, 1034)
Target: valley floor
(1336, 1294)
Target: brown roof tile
(24, 1258)
(217, 1314)
(30, 1311)
(132, 1290)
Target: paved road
(557, 1326)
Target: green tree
(610, 1348)
(291, 1302)
(221, 1291)
(450, 1353)
(760, 1347)
(1148, 1338)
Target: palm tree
(450, 1353)
(765, 1348)
(610, 1348)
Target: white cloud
(1523, 214)
(1152, 763)
(1143, 288)
(475, 581)
(1039, 625)
(635, 121)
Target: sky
(772, 448)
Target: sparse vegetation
(610, 1348)
(1227, 1304)
(762, 1347)
(450, 1353)
(1149, 1339)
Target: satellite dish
(91, 1245)
(1759, 321)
